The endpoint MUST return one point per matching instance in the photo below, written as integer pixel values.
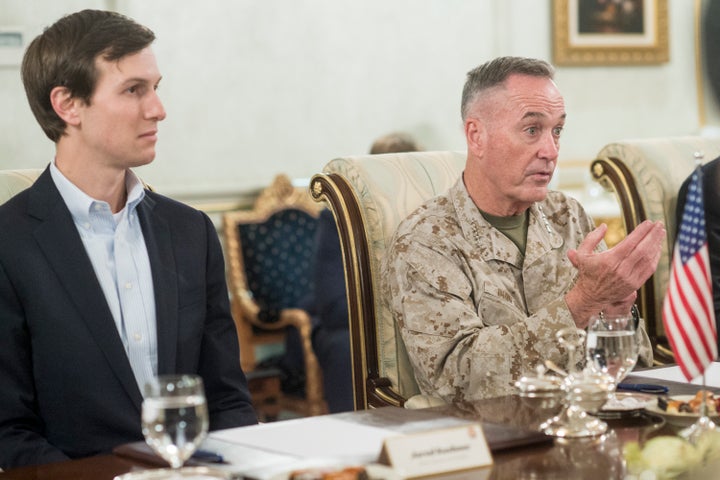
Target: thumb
(573, 257)
(588, 245)
(591, 241)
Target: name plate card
(437, 451)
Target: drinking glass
(585, 392)
(612, 346)
(174, 416)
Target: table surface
(599, 457)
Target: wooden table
(100, 467)
(585, 459)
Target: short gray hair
(496, 71)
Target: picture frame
(610, 32)
(12, 46)
(707, 71)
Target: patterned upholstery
(269, 251)
(15, 181)
(369, 196)
(278, 258)
(646, 176)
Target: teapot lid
(540, 383)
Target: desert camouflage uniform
(474, 314)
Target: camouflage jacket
(473, 312)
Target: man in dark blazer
(103, 284)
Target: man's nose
(549, 148)
(155, 108)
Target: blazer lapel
(158, 241)
(59, 240)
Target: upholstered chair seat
(15, 181)
(369, 196)
(269, 252)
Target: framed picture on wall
(610, 32)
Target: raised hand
(608, 280)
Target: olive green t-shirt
(514, 227)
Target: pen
(643, 387)
(207, 457)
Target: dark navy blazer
(66, 385)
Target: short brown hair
(496, 71)
(396, 142)
(64, 55)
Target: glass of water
(175, 416)
(612, 346)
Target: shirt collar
(474, 225)
(79, 203)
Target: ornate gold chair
(369, 196)
(645, 176)
(15, 181)
(268, 251)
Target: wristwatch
(635, 315)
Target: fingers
(645, 235)
(637, 259)
(609, 279)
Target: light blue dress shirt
(116, 247)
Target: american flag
(688, 312)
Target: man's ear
(476, 135)
(65, 105)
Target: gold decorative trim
(280, 195)
(608, 53)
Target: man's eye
(532, 130)
(557, 131)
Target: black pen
(643, 387)
(207, 457)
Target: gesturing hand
(608, 280)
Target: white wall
(257, 87)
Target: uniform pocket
(496, 308)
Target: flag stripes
(688, 311)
